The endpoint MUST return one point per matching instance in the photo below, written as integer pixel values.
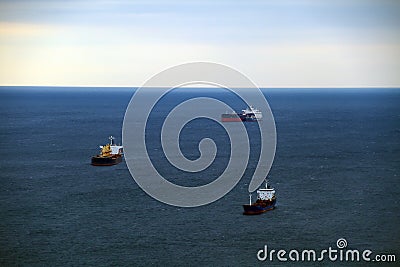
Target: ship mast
(111, 140)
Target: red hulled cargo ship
(248, 114)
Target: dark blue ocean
(336, 172)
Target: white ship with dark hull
(266, 201)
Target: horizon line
(261, 87)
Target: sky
(282, 43)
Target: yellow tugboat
(110, 154)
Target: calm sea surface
(336, 172)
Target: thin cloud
(264, 38)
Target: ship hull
(231, 119)
(258, 208)
(238, 117)
(249, 118)
(106, 161)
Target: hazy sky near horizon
(282, 43)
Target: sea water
(336, 173)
